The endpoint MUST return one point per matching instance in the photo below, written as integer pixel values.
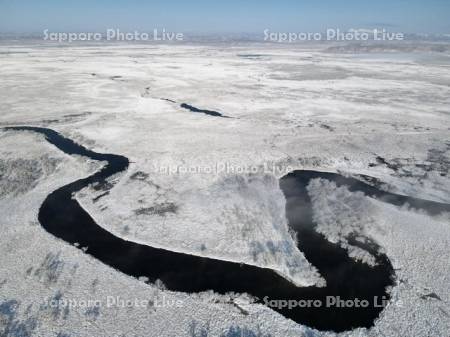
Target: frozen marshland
(205, 185)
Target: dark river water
(346, 279)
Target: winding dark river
(62, 216)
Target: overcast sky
(201, 16)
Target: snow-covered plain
(208, 186)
